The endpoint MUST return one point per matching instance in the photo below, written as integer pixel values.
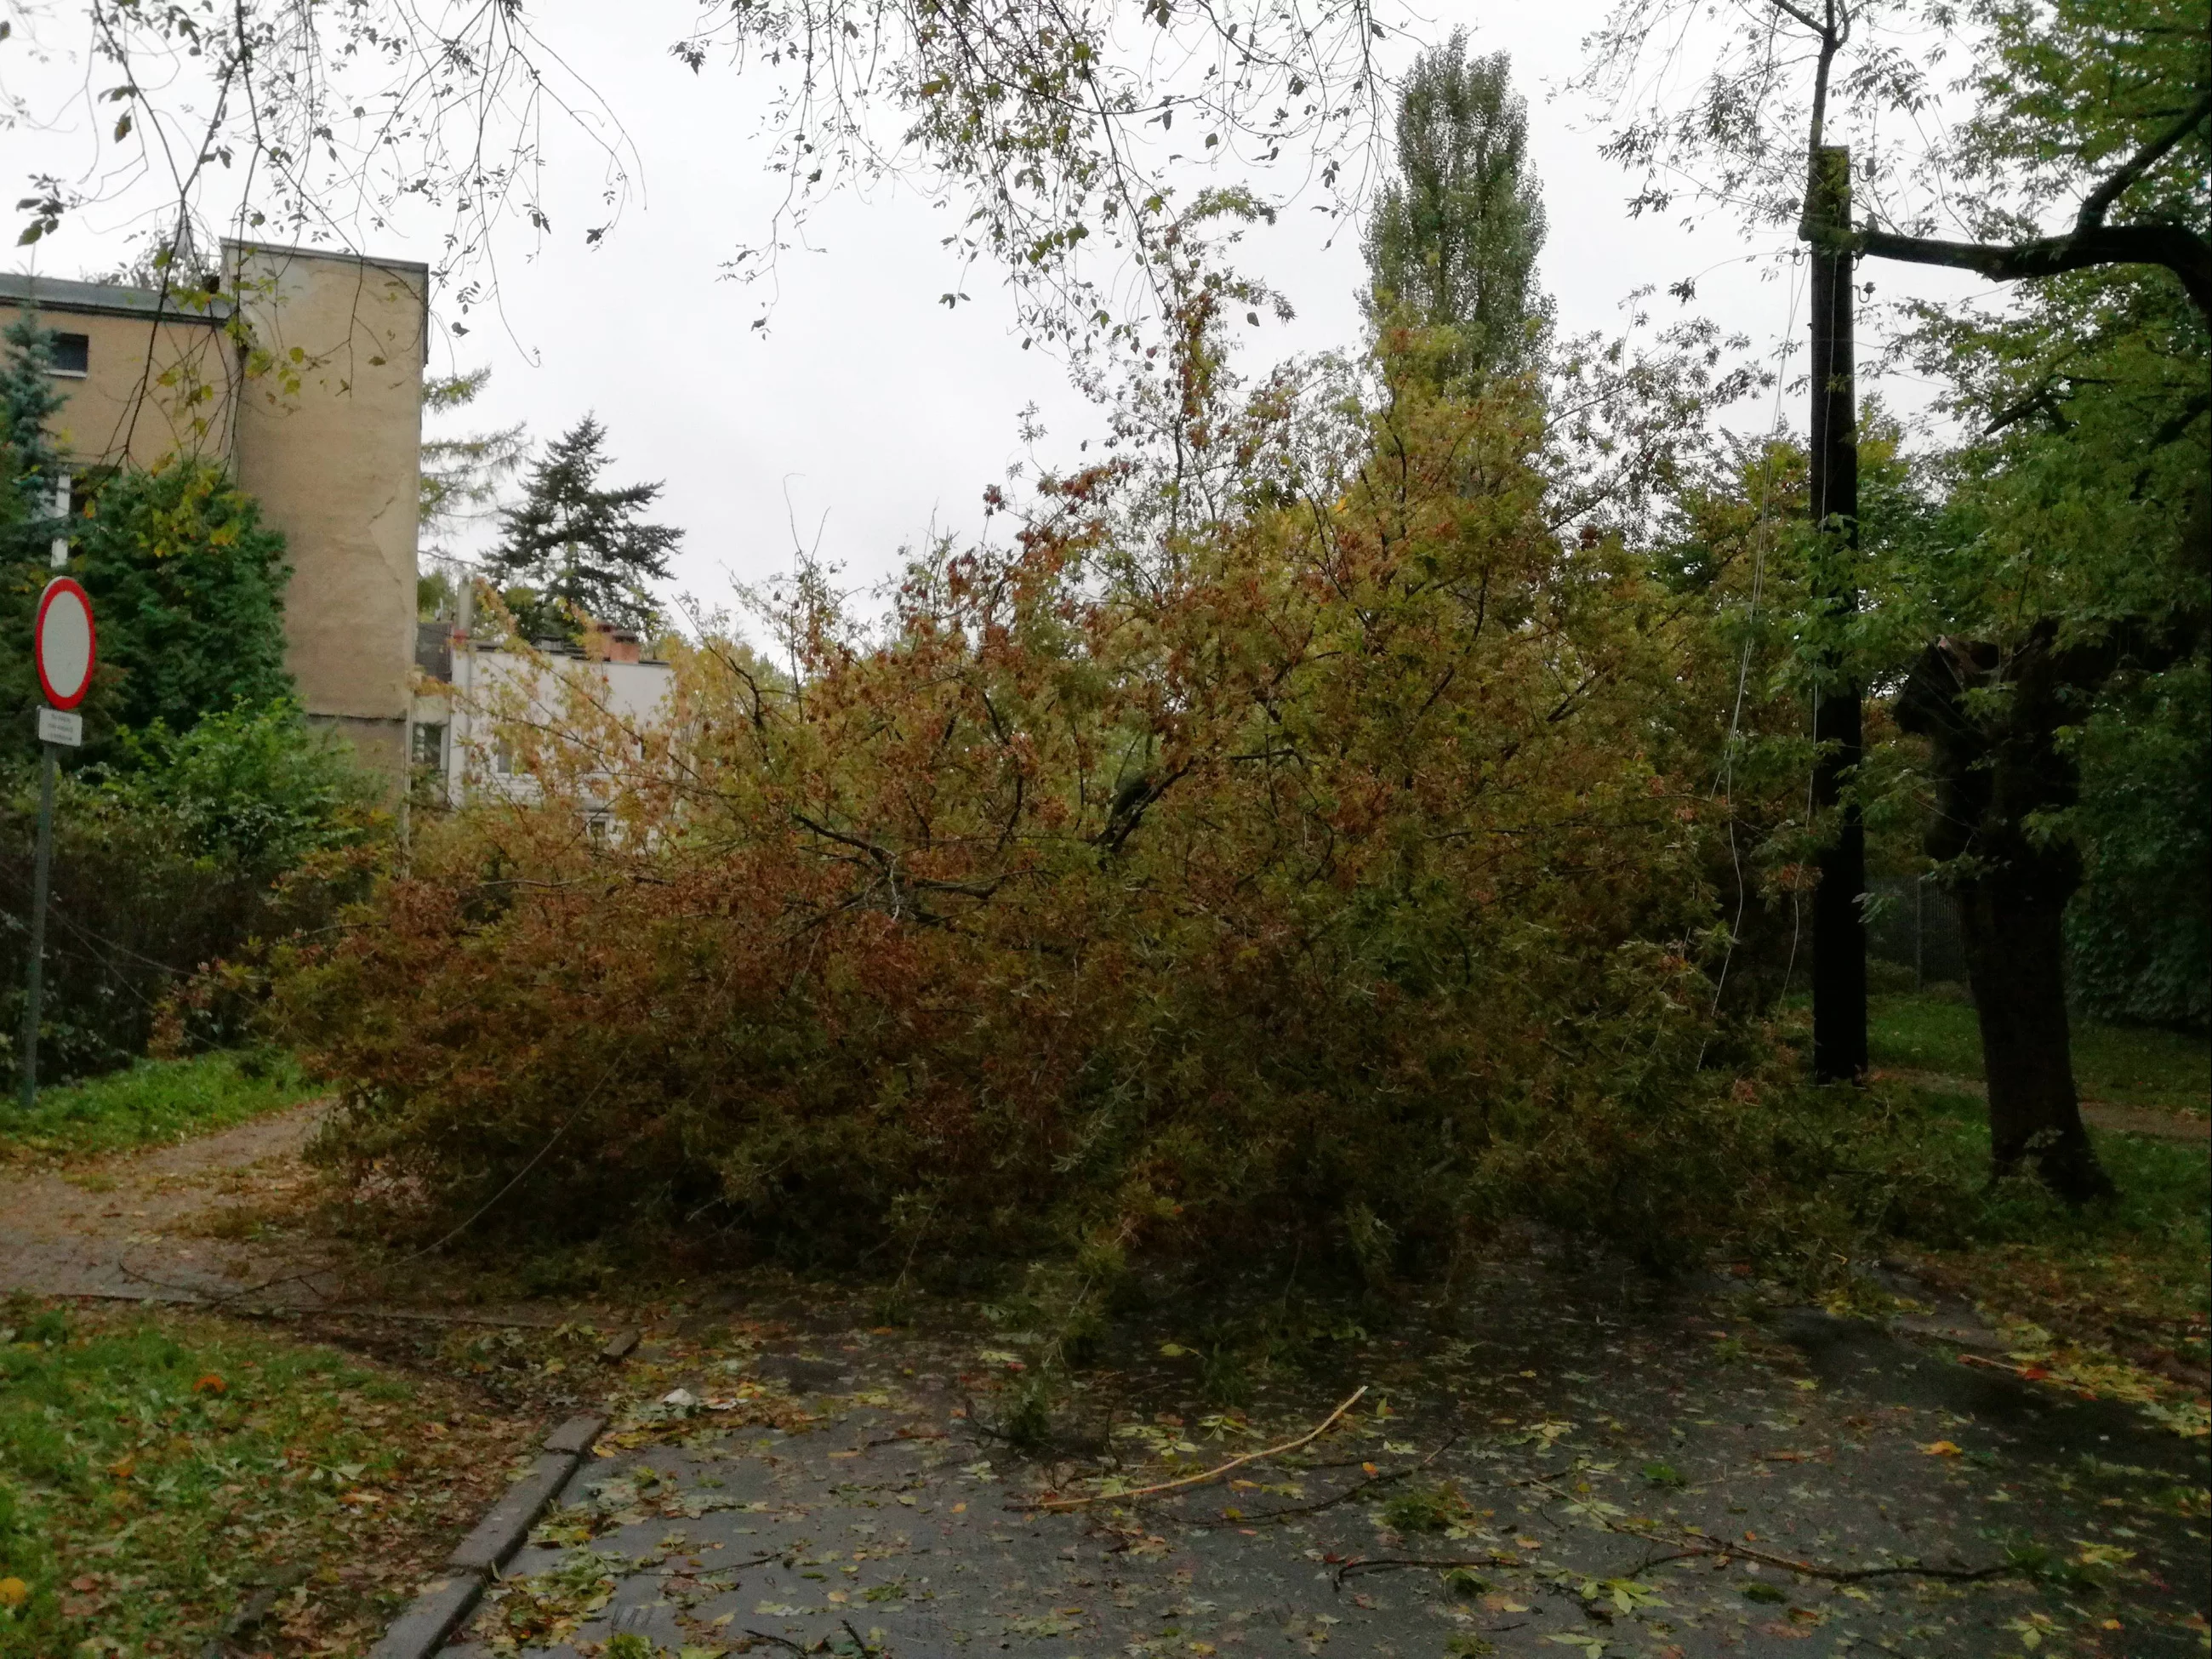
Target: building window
(430, 747)
(73, 354)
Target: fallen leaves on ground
(162, 1470)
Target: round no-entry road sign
(66, 645)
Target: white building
(482, 702)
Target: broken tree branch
(1696, 1544)
(1386, 1477)
(1687, 1546)
(1689, 1541)
(1442, 1563)
(1215, 1473)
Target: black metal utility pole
(1839, 986)
(27, 1069)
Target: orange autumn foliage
(1270, 839)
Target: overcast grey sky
(869, 411)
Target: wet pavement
(1574, 1463)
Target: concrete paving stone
(532, 1559)
(805, 1373)
(655, 1621)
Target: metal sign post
(65, 645)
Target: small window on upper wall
(73, 354)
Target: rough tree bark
(1839, 943)
(1993, 718)
(1997, 761)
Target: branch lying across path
(1691, 1544)
(1697, 1544)
(1688, 1541)
(1388, 1476)
(1202, 1478)
(1442, 1563)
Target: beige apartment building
(305, 375)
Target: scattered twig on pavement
(1393, 1563)
(1687, 1546)
(1202, 1478)
(1689, 1541)
(779, 1641)
(1384, 1478)
(1388, 1476)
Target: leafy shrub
(253, 786)
(2139, 933)
(176, 857)
(189, 587)
(198, 815)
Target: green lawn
(155, 1101)
(2128, 1272)
(160, 1471)
(2128, 1065)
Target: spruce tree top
(581, 545)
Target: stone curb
(507, 1522)
(438, 1611)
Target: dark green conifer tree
(577, 546)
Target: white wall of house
(457, 722)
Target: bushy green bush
(189, 587)
(2139, 933)
(200, 815)
(182, 852)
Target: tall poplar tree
(581, 546)
(1454, 236)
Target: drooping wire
(1724, 780)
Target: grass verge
(155, 1101)
(2124, 1278)
(161, 1473)
(2128, 1065)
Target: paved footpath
(137, 1224)
(1622, 1470)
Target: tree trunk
(1839, 946)
(1997, 764)
(2015, 961)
